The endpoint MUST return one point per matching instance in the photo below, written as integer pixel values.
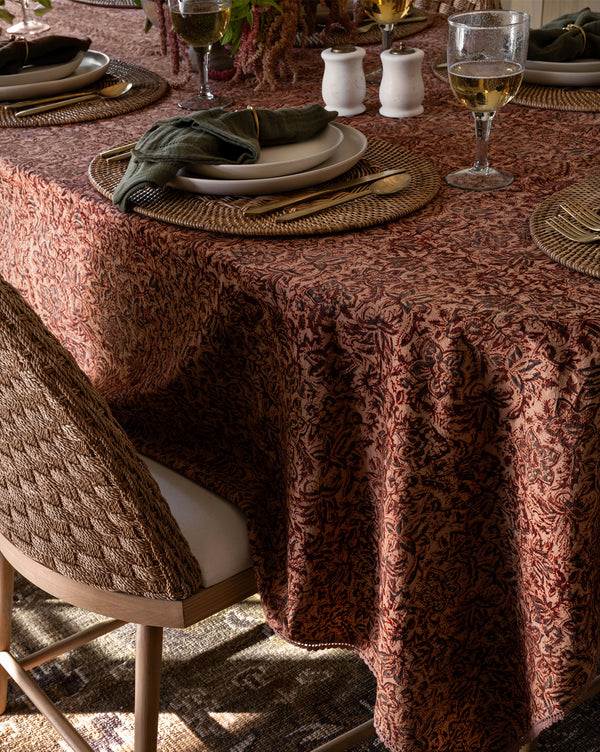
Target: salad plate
(90, 69)
(34, 74)
(283, 159)
(352, 146)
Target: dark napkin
(552, 42)
(213, 137)
(51, 50)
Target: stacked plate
(280, 168)
(572, 73)
(46, 80)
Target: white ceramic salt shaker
(344, 86)
(401, 91)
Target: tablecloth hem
(550, 720)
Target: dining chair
(87, 520)
(447, 7)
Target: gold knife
(279, 203)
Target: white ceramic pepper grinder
(344, 86)
(401, 91)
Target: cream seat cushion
(215, 529)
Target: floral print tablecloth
(409, 415)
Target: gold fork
(583, 215)
(571, 231)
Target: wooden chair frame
(149, 615)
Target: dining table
(407, 408)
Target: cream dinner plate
(34, 74)
(90, 69)
(283, 159)
(572, 73)
(347, 154)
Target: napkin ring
(570, 27)
(15, 38)
(251, 108)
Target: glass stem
(386, 36)
(204, 91)
(27, 13)
(483, 125)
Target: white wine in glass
(201, 23)
(385, 13)
(486, 59)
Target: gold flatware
(110, 92)
(254, 211)
(43, 100)
(120, 157)
(385, 186)
(571, 231)
(583, 215)
(119, 151)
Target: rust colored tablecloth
(408, 414)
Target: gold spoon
(391, 184)
(110, 92)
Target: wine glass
(486, 59)
(30, 25)
(385, 13)
(200, 23)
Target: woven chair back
(74, 495)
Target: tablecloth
(409, 414)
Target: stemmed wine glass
(30, 25)
(201, 23)
(486, 59)
(385, 13)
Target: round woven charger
(373, 36)
(545, 97)
(582, 257)
(147, 88)
(224, 213)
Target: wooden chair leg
(350, 739)
(7, 576)
(148, 664)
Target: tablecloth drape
(409, 415)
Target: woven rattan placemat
(224, 213)
(582, 257)
(147, 88)
(373, 36)
(109, 3)
(544, 97)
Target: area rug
(229, 685)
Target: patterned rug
(229, 685)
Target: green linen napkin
(51, 50)
(213, 137)
(553, 42)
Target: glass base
(28, 28)
(204, 103)
(479, 180)
(374, 77)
